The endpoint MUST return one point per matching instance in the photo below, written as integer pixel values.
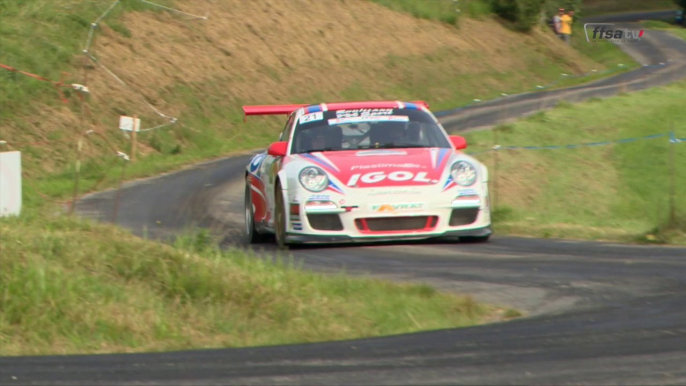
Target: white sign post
(10, 183)
(132, 124)
(128, 123)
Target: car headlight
(463, 173)
(313, 179)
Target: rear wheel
(251, 234)
(280, 218)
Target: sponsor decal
(313, 117)
(390, 192)
(380, 152)
(392, 208)
(362, 113)
(388, 118)
(319, 197)
(378, 166)
(398, 176)
(467, 192)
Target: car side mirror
(458, 141)
(278, 149)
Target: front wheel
(474, 239)
(251, 234)
(280, 219)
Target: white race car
(364, 171)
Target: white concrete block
(10, 183)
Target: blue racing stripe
(317, 160)
(441, 154)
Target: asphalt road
(597, 313)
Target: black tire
(279, 219)
(252, 236)
(474, 239)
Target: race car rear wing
(287, 109)
(271, 109)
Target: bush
(523, 13)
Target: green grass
(674, 29)
(599, 7)
(447, 11)
(69, 286)
(618, 192)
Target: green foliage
(681, 4)
(441, 10)
(525, 14)
(551, 7)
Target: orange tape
(56, 84)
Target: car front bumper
(346, 219)
(301, 238)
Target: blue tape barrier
(562, 77)
(672, 139)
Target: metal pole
(672, 177)
(495, 167)
(117, 199)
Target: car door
(269, 170)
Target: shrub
(523, 13)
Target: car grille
(325, 222)
(381, 224)
(463, 216)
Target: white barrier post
(10, 183)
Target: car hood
(383, 167)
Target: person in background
(566, 26)
(557, 24)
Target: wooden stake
(134, 138)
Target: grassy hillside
(201, 71)
(73, 287)
(598, 7)
(619, 192)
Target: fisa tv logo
(603, 32)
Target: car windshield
(367, 129)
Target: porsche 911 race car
(364, 171)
